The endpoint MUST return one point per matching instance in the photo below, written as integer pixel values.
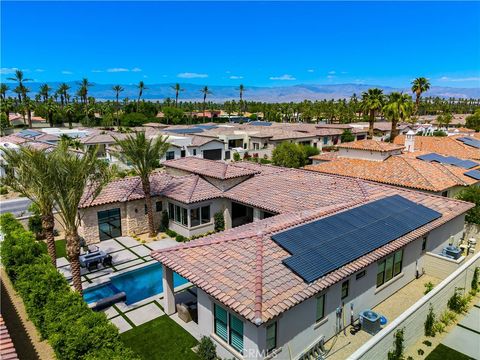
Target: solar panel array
(29, 133)
(475, 174)
(192, 130)
(470, 141)
(260, 123)
(325, 245)
(449, 160)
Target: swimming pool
(137, 284)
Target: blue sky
(255, 43)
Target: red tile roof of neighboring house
(371, 145)
(326, 156)
(7, 350)
(187, 189)
(400, 171)
(211, 168)
(14, 139)
(445, 145)
(242, 267)
(202, 140)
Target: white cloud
(473, 78)
(236, 77)
(310, 70)
(189, 75)
(67, 72)
(285, 77)
(39, 70)
(330, 76)
(227, 72)
(343, 72)
(136, 69)
(7, 71)
(333, 72)
(115, 70)
(97, 71)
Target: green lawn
(161, 339)
(60, 246)
(442, 352)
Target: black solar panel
(475, 174)
(470, 141)
(327, 244)
(450, 160)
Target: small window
(345, 289)
(221, 322)
(184, 216)
(194, 152)
(158, 206)
(389, 268)
(445, 194)
(170, 155)
(360, 275)
(178, 213)
(205, 214)
(227, 155)
(424, 244)
(236, 333)
(320, 308)
(272, 336)
(183, 153)
(397, 264)
(325, 140)
(381, 270)
(171, 211)
(195, 217)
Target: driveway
(18, 207)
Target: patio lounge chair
(184, 313)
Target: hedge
(61, 316)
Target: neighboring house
(267, 289)
(385, 163)
(382, 129)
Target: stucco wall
(365, 154)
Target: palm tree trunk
(148, 203)
(29, 115)
(371, 121)
(393, 131)
(73, 252)
(204, 110)
(176, 98)
(48, 223)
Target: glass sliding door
(109, 224)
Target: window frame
(275, 336)
(170, 155)
(215, 318)
(322, 316)
(205, 220)
(395, 271)
(360, 275)
(345, 289)
(227, 324)
(158, 204)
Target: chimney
(410, 141)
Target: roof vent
(410, 141)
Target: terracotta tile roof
(242, 267)
(371, 145)
(187, 189)
(202, 140)
(99, 138)
(215, 169)
(445, 145)
(326, 156)
(400, 171)
(13, 139)
(7, 350)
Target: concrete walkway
(465, 337)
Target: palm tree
(83, 90)
(22, 91)
(71, 177)
(177, 89)
(3, 90)
(44, 90)
(118, 89)
(372, 101)
(205, 92)
(419, 86)
(399, 107)
(51, 109)
(141, 86)
(241, 89)
(144, 155)
(63, 92)
(69, 110)
(30, 178)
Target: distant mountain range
(295, 93)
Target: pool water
(137, 284)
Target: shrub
(3, 190)
(428, 287)
(265, 161)
(35, 221)
(438, 327)
(439, 133)
(288, 155)
(474, 283)
(457, 302)
(471, 194)
(180, 238)
(207, 349)
(219, 221)
(430, 322)
(133, 119)
(236, 156)
(447, 317)
(347, 136)
(171, 233)
(164, 222)
(397, 352)
(60, 315)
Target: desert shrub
(474, 283)
(236, 156)
(219, 221)
(171, 233)
(428, 287)
(3, 190)
(399, 347)
(207, 349)
(447, 317)
(438, 327)
(430, 322)
(457, 302)
(164, 222)
(180, 238)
